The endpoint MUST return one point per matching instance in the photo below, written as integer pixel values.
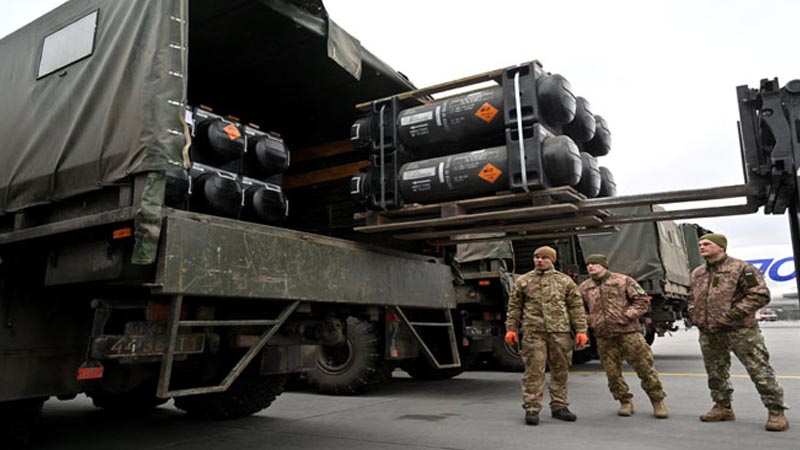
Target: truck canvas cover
(86, 93)
(652, 253)
(94, 91)
(692, 242)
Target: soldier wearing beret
(726, 293)
(545, 306)
(615, 303)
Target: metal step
(169, 354)
(448, 323)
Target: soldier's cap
(716, 238)
(547, 252)
(597, 258)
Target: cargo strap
(523, 164)
(413, 326)
(383, 161)
(169, 353)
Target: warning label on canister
(486, 112)
(414, 119)
(490, 173)
(416, 174)
(232, 132)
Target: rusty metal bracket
(169, 354)
(426, 350)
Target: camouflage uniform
(615, 303)
(718, 289)
(548, 305)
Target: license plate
(133, 346)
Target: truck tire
(245, 397)
(354, 367)
(17, 421)
(584, 356)
(421, 369)
(650, 335)
(138, 400)
(506, 356)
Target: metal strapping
(383, 162)
(522, 163)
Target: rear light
(392, 316)
(157, 312)
(90, 370)
(488, 315)
(122, 233)
(484, 282)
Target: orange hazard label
(232, 132)
(486, 112)
(490, 173)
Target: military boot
(564, 414)
(660, 409)
(532, 417)
(776, 421)
(625, 408)
(718, 413)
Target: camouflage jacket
(717, 288)
(545, 301)
(615, 304)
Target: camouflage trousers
(632, 348)
(748, 345)
(539, 349)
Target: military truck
(658, 255)
(133, 272)
(140, 257)
(140, 202)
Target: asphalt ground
(476, 410)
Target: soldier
(615, 303)
(726, 292)
(548, 305)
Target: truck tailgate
(211, 256)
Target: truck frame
(105, 290)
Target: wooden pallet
(519, 216)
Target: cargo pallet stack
(235, 171)
(523, 149)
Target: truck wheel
(421, 369)
(584, 356)
(246, 396)
(138, 400)
(354, 367)
(650, 335)
(506, 356)
(17, 421)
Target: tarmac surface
(476, 410)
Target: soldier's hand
(736, 314)
(512, 338)
(581, 339)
